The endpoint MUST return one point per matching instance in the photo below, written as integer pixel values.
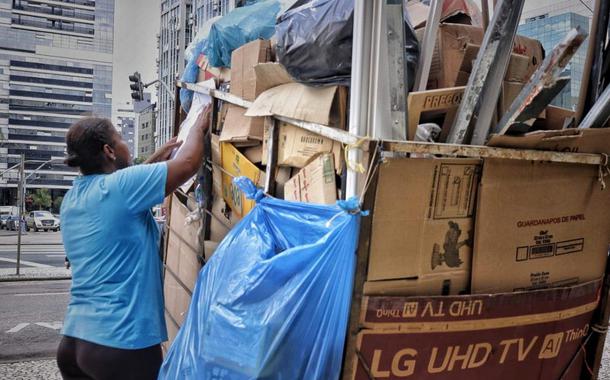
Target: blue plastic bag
(239, 27)
(273, 302)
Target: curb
(34, 278)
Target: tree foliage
(41, 199)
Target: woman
(115, 320)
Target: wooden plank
(476, 151)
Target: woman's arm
(189, 159)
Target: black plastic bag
(315, 42)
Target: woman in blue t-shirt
(115, 319)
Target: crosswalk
(51, 250)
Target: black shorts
(79, 359)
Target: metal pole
(475, 113)
(361, 50)
(599, 114)
(485, 14)
(427, 47)
(21, 202)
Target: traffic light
(137, 88)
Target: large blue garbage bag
(273, 302)
(239, 27)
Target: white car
(42, 220)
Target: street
(38, 250)
(32, 315)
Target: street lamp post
(21, 197)
(21, 203)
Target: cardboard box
(236, 164)
(315, 183)
(222, 220)
(528, 335)
(517, 70)
(254, 153)
(450, 49)
(539, 225)
(241, 130)
(447, 283)
(243, 60)
(321, 105)
(297, 146)
(422, 226)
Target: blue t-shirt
(111, 240)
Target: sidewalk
(45, 369)
(31, 274)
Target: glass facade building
(550, 30)
(55, 67)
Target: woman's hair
(85, 142)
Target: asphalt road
(32, 315)
(38, 250)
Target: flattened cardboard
(236, 164)
(296, 101)
(539, 225)
(423, 220)
(528, 335)
(182, 248)
(451, 46)
(297, 146)
(243, 60)
(241, 130)
(315, 183)
(594, 140)
(271, 74)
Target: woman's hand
(164, 152)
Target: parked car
(3, 219)
(12, 223)
(42, 220)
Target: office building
(55, 67)
(145, 132)
(549, 22)
(126, 126)
(180, 20)
(174, 37)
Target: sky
(136, 24)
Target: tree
(57, 203)
(41, 199)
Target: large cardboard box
(243, 60)
(236, 164)
(539, 225)
(315, 183)
(297, 146)
(422, 226)
(526, 335)
(451, 45)
(241, 130)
